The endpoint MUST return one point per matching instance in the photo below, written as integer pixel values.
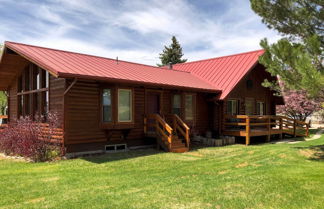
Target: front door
(153, 103)
(152, 106)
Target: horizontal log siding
(13, 101)
(56, 102)
(202, 115)
(82, 114)
(257, 92)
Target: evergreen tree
(298, 57)
(172, 54)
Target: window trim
(131, 105)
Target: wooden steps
(167, 137)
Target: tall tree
(172, 54)
(3, 97)
(298, 57)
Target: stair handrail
(182, 127)
(166, 131)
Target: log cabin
(107, 104)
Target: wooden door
(153, 103)
(152, 106)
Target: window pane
(232, 107)
(106, 105)
(189, 107)
(249, 107)
(176, 106)
(124, 105)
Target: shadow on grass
(109, 157)
(315, 153)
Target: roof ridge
(231, 55)
(59, 50)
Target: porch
(255, 125)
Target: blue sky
(135, 30)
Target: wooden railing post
(247, 130)
(145, 125)
(280, 127)
(295, 127)
(269, 128)
(307, 129)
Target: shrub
(27, 138)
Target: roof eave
(125, 81)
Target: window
(249, 84)
(189, 107)
(106, 106)
(176, 106)
(124, 105)
(260, 108)
(249, 106)
(232, 107)
(33, 95)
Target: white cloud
(137, 30)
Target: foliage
(264, 176)
(3, 103)
(3, 97)
(297, 58)
(172, 54)
(298, 105)
(27, 138)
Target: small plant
(29, 138)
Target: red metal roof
(70, 64)
(222, 72)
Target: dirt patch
(51, 179)
(36, 200)
(283, 156)
(196, 154)
(242, 165)
(251, 152)
(222, 172)
(307, 153)
(314, 153)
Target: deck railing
(267, 125)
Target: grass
(257, 176)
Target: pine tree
(172, 54)
(298, 57)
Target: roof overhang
(11, 65)
(125, 81)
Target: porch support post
(247, 131)
(280, 127)
(269, 129)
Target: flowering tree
(298, 105)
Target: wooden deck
(267, 125)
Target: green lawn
(257, 176)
